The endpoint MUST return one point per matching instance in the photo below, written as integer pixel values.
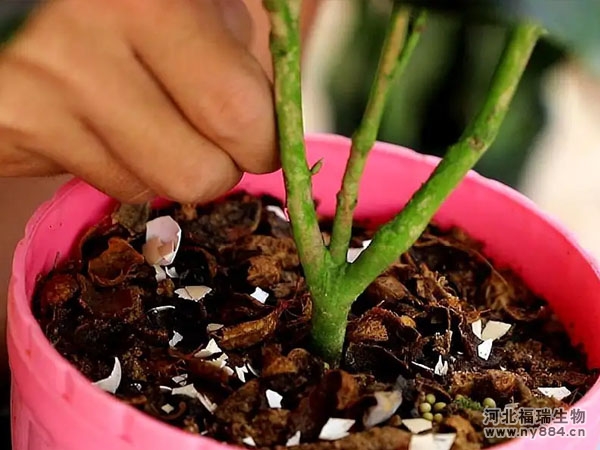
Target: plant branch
(393, 61)
(397, 236)
(285, 50)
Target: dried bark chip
(278, 366)
(367, 329)
(374, 359)
(505, 292)
(466, 437)
(498, 384)
(250, 333)
(239, 406)
(207, 371)
(115, 264)
(124, 303)
(346, 388)
(132, 217)
(113, 381)
(225, 221)
(95, 239)
(263, 271)
(270, 427)
(282, 251)
(58, 289)
(384, 438)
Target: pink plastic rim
(55, 407)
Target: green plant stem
(398, 235)
(286, 53)
(394, 58)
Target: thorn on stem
(316, 167)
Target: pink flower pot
(55, 408)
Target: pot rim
(21, 312)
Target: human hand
(139, 98)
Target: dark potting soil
(237, 367)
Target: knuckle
(241, 107)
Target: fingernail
(236, 18)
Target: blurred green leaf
(574, 23)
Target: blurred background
(549, 145)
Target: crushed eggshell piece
(354, 253)
(176, 339)
(273, 399)
(112, 382)
(485, 349)
(260, 295)
(431, 441)
(190, 391)
(241, 373)
(221, 363)
(423, 366)
(194, 293)
(161, 274)
(336, 429)
(180, 379)
(417, 425)
(210, 406)
(249, 441)
(556, 392)
(386, 406)
(160, 308)
(494, 330)
(294, 440)
(441, 368)
(476, 327)
(212, 327)
(163, 236)
(172, 272)
(212, 348)
(277, 211)
(168, 409)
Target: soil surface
(236, 366)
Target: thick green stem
(393, 61)
(286, 53)
(397, 236)
(329, 320)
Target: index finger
(217, 84)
